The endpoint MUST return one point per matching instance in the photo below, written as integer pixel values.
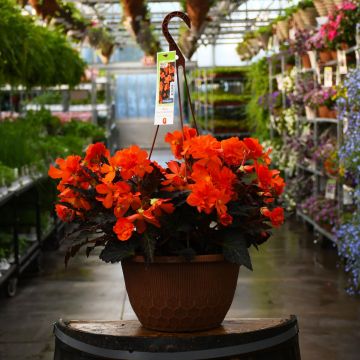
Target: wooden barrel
(245, 339)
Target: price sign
(341, 56)
(330, 191)
(328, 76)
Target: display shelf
(310, 170)
(214, 102)
(316, 226)
(319, 120)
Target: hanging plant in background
(137, 22)
(33, 55)
(348, 233)
(197, 11)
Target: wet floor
(291, 275)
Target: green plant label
(165, 88)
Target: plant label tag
(358, 34)
(328, 77)
(348, 195)
(292, 32)
(330, 191)
(341, 56)
(338, 77)
(312, 57)
(345, 125)
(280, 82)
(165, 88)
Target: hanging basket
(283, 27)
(298, 21)
(264, 40)
(330, 6)
(309, 16)
(197, 11)
(321, 7)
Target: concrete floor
(291, 276)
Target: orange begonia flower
(75, 199)
(269, 179)
(95, 154)
(124, 202)
(222, 177)
(203, 146)
(111, 192)
(64, 213)
(176, 179)
(255, 148)
(69, 169)
(133, 161)
(176, 140)
(123, 228)
(276, 216)
(234, 151)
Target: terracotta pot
(332, 114)
(344, 46)
(325, 56)
(320, 7)
(305, 60)
(323, 111)
(173, 295)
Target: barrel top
(131, 336)
(132, 328)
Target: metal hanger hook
(172, 44)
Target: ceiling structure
(227, 20)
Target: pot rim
(179, 259)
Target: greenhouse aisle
(292, 276)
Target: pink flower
(347, 5)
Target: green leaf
(235, 248)
(116, 251)
(148, 244)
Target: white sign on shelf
(341, 56)
(348, 195)
(328, 76)
(330, 191)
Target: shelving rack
(220, 117)
(21, 261)
(320, 176)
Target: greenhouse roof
(226, 22)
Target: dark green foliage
(257, 116)
(115, 251)
(33, 55)
(235, 248)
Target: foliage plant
(34, 55)
(216, 197)
(258, 116)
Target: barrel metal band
(188, 355)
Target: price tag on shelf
(165, 88)
(292, 33)
(345, 124)
(348, 195)
(358, 34)
(312, 57)
(328, 76)
(341, 56)
(280, 81)
(338, 77)
(330, 191)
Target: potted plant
(323, 100)
(301, 47)
(181, 232)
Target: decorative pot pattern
(173, 295)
